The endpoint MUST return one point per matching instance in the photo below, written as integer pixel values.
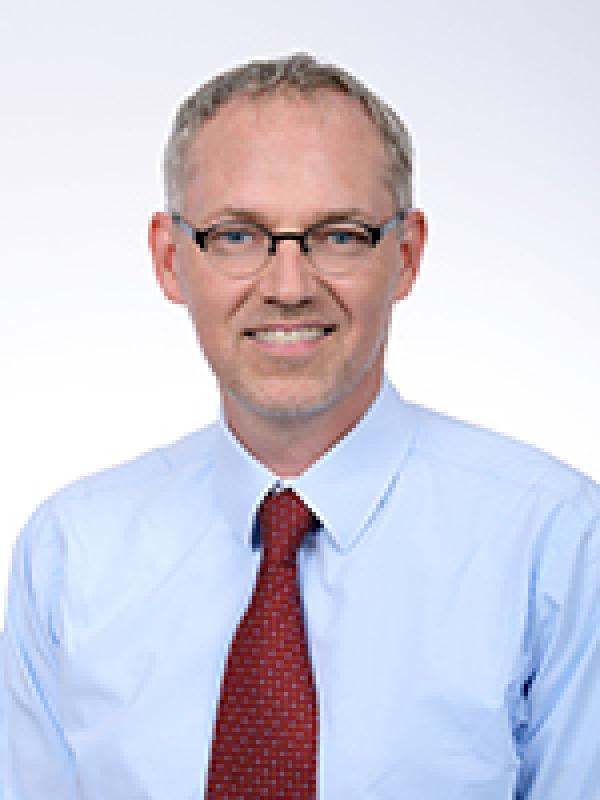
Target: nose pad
(300, 238)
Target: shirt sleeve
(3, 732)
(38, 759)
(559, 746)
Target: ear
(411, 247)
(162, 245)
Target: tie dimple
(266, 729)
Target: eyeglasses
(336, 246)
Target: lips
(288, 328)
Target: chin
(276, 402)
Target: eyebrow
(256, 216)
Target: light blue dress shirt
(452, 604)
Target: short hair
(305, 74)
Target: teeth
(291, 336)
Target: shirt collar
(344, 488)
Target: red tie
(265, 738)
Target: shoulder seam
(545, 459)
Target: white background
(503, 328)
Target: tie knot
(284, 522)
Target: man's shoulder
(93, 517)
(110, 520)
(473, 449)
(143, 476)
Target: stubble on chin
(287, 406)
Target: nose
(288, 276)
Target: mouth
(298, 340)
(293, 335)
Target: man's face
(292, 161)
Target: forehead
(283, 150)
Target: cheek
(372, 305)
(213, 310)
(204, 298)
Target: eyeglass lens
(240, 248)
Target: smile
(301, 340)
(299, 335)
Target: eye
(343, 237)
(233, 235)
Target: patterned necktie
(265, 738)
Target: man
(329, 592)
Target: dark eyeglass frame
(376, 232)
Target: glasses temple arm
(177, 219)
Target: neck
(287, 446)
